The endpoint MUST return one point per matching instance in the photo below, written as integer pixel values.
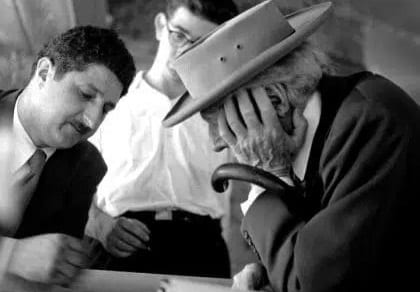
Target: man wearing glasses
(155, 210)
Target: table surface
(111, 281)
(105, 281)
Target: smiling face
(69, 109)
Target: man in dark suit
(52, 171)
(335, 195)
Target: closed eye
(86, 96)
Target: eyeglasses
(178, 38)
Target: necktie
(35, 164)
(25, 180)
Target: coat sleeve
(88, 174)
(362, 168)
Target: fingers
(268, 114)
(240, 282)
(119, 248)
(75, 259)
(255, 133)
(252, 277)
(74, 244)
(225, 131)
(48, 258)
(127, 236)
(71, 258)
(248, 112)
(164, 285)
(136, 228)
(233, 118)
(64, 275)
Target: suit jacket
(66, 186)
(356, 231)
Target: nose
(218, 143)
(93, 114)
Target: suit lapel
(333, 90)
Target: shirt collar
(312, 114)
(25, 148)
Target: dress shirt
(312, 114)
(23, 148)
(151, 167)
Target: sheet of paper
(188, 285)
(111, 281)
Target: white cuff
(7, 245)
(253, 195)
(255, 192)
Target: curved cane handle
(247, 173)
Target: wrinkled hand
(50, 259)
(261, 143)
(124, 236)
(252, 277)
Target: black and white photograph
(209, 145)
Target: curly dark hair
(81, 46)
(217, 11)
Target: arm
(120, 236)
(340, 244)
(87, 175)
(46, 259)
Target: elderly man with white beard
(334, 189)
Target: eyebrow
(182, 29)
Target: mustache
(81, 127)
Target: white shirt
(23, 148)
(312, 114)
(151, 167)
(20, 149)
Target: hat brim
(304, 22)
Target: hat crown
(230, 46)
(237, 51)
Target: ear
(160, 24)
(45, 71)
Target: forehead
(211, 112)
(192, 24)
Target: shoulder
(87, 158)
(384, 93)
(390, 101)
(375, 121)
(375, 99)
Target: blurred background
(379, 35)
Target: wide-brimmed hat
(237, 51)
